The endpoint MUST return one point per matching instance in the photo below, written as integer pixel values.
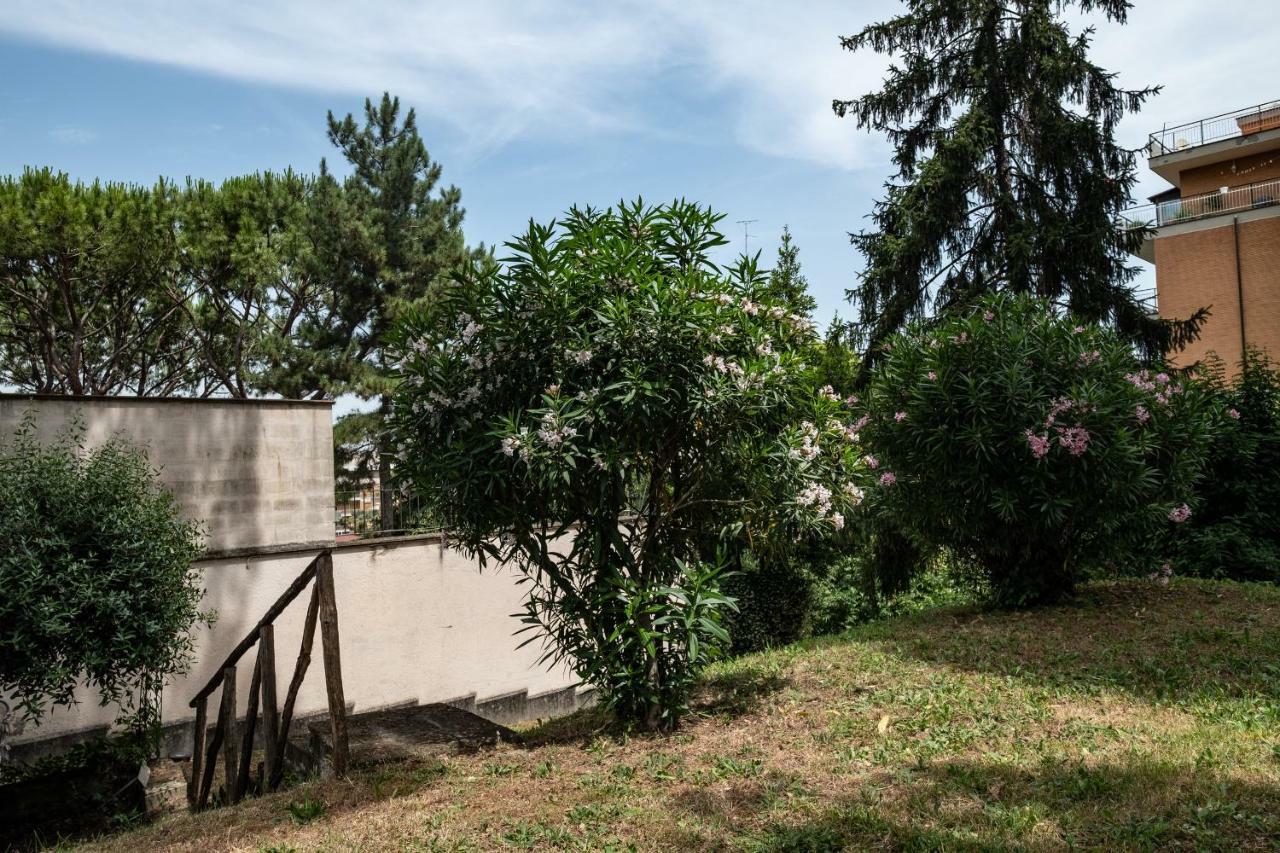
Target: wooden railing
(237, 746)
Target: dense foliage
(1008, 177)
(267, 283)
(1031, 446)
(615, 415)
(97, 575)
(1236, 532)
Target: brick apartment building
(1217, 230)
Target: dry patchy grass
(1135, 718)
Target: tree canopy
(271, 283)
(1008, 174)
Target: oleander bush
(1036, 450)
(1235, 534)
(618, 417)
(96, 580)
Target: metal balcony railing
(1243, 122)
(1148, 299)
(1235, 199)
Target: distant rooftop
(1242, 122)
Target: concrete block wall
(258, 473)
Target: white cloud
(73, 135)
(503, 70)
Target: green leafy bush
(846, 595)
(611, 413)
(98, 586)
(1031, 447)
(1236, 532)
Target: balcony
(1245, 122)
(1178, 210)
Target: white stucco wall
(258, 473)
(418, 622)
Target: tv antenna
(746, 235)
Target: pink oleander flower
(1179, 513)
(1162, 576)
(932, 376)
(1141, 413)
(1075, 439)
(1078, 330)
(1060, 405)
(988, 316)
(1233, 414)
(887, 479)
(1039, 444)
(837, 521)
(1088, 358)
(872, 462)
(900, 416)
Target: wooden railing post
(250, 725)
(211, 759)
(332, 663)
(197, 750)
(270, 711)
(230, 738)
(299, 671)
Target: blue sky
(534, 107)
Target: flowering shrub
(1236, 532)
(1032, 447)
(608, 410)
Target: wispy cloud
(500, 71)
(73, 135)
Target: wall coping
(241, 401)
(303, 548)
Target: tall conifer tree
(412, 240)
(1009, 177)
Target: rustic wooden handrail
(286, 598)
(235, 746)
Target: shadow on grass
(974, 806)
(739, 687)
(1194, 642)
(730, 690)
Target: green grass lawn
(1138, 717)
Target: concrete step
(413, 733)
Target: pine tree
(413, 239)
(413, 233)
(1009, 177)
(787, 283)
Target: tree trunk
(386, 502)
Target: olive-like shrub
(1032, 448)
(611, 412)
(96, 580)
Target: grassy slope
(1139, 717)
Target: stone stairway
(407, 733)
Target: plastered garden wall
(420, 622)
